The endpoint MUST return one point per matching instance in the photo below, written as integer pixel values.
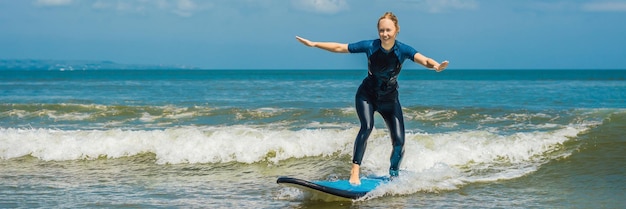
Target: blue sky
(259, 34)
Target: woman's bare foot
(354, 175)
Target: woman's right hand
(328, 46)
(305, 41)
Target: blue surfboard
(338, 188)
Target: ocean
(182, 138)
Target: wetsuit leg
(365, 111)
(392, 113)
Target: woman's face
(387, 31)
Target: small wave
(432, 162)
(81, 116)
(246, 144)
(447, 161)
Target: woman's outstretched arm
(430, 63)
(328, 46)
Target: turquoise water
(219, 138)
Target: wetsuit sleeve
(359, 47)
(407, 52)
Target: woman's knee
(367, 126)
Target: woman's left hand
(441, 66)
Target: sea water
(221, 138)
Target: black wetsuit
(379, 92)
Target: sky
(260, 34)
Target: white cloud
(591, 6)
(438, 6)
(184, 8)
(615, 6)
(52, 2)
(321, 6)
(553, 6)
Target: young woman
(379, 90)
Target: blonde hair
(392, 17)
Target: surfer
(378, 91)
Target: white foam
(432, 162)
(190, 144)
(449, 160)
(430, 115)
